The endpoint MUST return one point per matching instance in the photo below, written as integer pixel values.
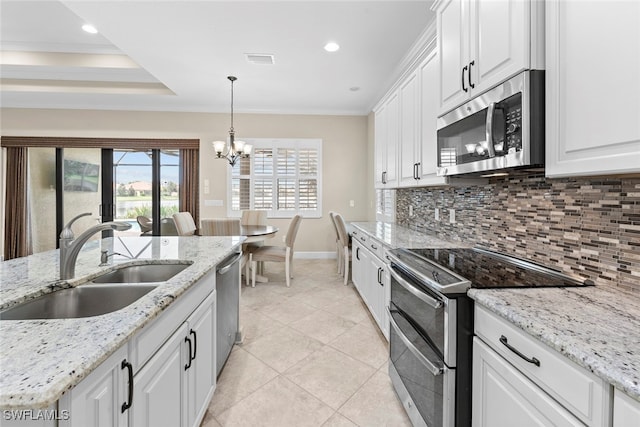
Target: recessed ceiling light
(331, 47)
(90, 29)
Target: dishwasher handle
(224, 269)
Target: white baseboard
(314, 255)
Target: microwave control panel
(513, 131)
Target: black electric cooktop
(453, 270)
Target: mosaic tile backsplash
(586, 226)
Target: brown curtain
(16, 225)
(189, 178)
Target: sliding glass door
(146, 189)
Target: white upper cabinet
(592, 88)
(418, 131)
(386, 142)
(483, 42)
(409, 131)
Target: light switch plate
(437, 214)
(452, 216)
(213, 203)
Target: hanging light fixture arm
(235, 149)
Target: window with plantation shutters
(282, 176)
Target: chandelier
(235, 149)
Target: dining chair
(168, 227)
(344, 244)
(254, 217)
(185, 225)
(145, 223)
(337, 238)
(220, 227)
(225, 227)
(276, 253)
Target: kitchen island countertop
(41, 359)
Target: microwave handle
(489, 129)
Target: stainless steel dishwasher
(227, 307)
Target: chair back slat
(341, 226)
(254, 217)
(220, 227)
(292, 231)
(185, 225)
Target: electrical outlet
(452, 216)
(437, 214)
(410, 210)
(352, 203)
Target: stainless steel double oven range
(431, 320)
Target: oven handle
(436, 371)
(417, 292)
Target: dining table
(254, 234)
(257, 233)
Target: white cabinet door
(409, 145)
(392, 140)
(428, 140)
(379, 294)
(358, 265)
(98, 399)
(484, 42)
(159, 397)
(387, 133)
(626, 411)
(592, 89)
(503, 397)
(499, 41)
(201, 375)
(453, 51)
(380, 152)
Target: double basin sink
(104, 294)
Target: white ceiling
(176, 55)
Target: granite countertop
(397, 236)
(597, 327)
(41, 359)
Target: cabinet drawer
(362, 238)
(376, 248)
(153, 336)
(580, 391)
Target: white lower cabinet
(174, 387)
(159, 397)
(518, 380)
(371, 278)
(626, 411)
(201, 376)
(98, 400)
(503, 397)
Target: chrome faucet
(70, 246)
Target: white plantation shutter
(283, 176)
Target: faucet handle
(66, 232)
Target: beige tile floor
(311, 356)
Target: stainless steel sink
(82, 301)
(142, 273)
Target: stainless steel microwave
(498, 130)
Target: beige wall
(347, 160)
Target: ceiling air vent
(260, 58)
